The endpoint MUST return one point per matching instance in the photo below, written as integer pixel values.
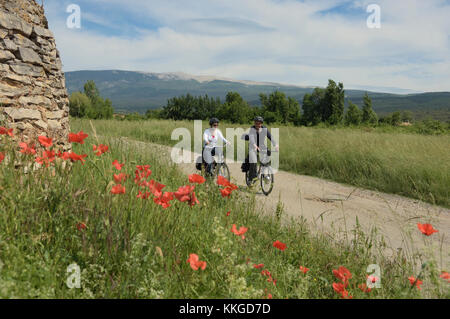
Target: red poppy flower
(119, 178)
(279, 245)
(195, 263)
(143, 195)
(27, 149)
(141, 172)
(2, 157)
(78, 138)
(257, 266)
(415, 282)
(75, 157)
(47, 158)
(164, 200)
(184, 193)
(426, 229)
(228, 214)
(364, 288)
(195, 178)
(118, 189)
(267, 273)
(101, 149)
(222, 181)
(304, 269)
(343, 274)
(445, 275)
(340, 289)
(242, 230)
(5, 131)
(45, 141)
(193, 200)
(117, 165)
(372, 279)
(81, 226)
(226, 192)
(155, 188)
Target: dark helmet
(213, 121)
(259, 119)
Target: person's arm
(252, 139)
(206, 137)
(269, 136)
(220, 135)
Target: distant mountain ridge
(138, 91)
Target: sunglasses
(215, 125)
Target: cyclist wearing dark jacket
(256, 138)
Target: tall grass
(411, 165)
(132, 248)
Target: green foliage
(90, 104)
(353, 115)
(279, 108)
(368, 114)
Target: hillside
(137, 91)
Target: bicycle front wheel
(267, 180)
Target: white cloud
(269, 40)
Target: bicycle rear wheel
(223, 170)
(267, 180)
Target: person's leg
(253, 160)
(208, 159)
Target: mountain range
(132, 91)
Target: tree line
(323, 105)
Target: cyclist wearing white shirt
(210, 138)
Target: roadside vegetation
(100, 207)
(392, 160)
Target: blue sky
(288, 41)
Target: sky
(286, 41)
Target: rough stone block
(42, 32)
(54, 115)
(29, 56)
(35, 100)
(26, 69)
(11, 22)
(23, 114)
(41, 124)
(10, 45)
(6, 55)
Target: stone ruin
(33, 97)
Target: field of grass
(127, 247)
(397, 162)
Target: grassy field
(127, 247)
(398, 162)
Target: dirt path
(333, 208)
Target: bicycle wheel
(267, 180)
(223, 170)
(247, 178)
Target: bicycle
(218, 167)
(265, 175)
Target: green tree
(333, 104)
(353, 115)
(407, 116)
(312, 107)
(79, 105)
(368, 116)
(91, 90)
(396, 118)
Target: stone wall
(33, 97)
